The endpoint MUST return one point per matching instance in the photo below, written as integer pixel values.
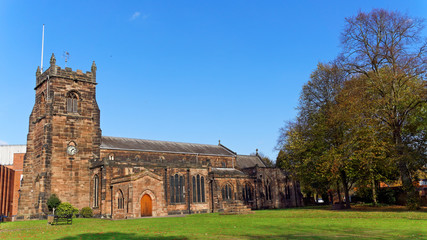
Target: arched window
(177, 188)
(120, 200)
(181, 189)
(202, 183)
(111, 156)
(198, 188)
(247, 193)
(172, 183)
(72, 98)
(194, 190)
(226, 192)
(267, 187)
(95, 190)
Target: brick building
(10, 180)
(128, 178)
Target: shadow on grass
(385, 209)
(295, 232)
(117, 235)
(362, 208)
(330, 232)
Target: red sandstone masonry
(48, 168)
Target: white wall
(7, 151)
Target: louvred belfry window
(72, 100)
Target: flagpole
(41, 65)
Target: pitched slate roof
(247, 161)
(228, 171)
(163, 146)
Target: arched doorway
(146, 206)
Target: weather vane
(66, 55)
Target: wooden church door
(146, 206)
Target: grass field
(303, 223)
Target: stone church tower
(64, 138)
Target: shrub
(387, 195)
(86, 212)
(363, 194)
(66, 208)
(53, 202)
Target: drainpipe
(212, 192)
(166, 186)
(256, 192)
(188, 191)
(111, 190)
(99, 203)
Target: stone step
(235, 207)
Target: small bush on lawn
(86, 212)
(66, 209)
(53, 202)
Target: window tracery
(177, 185)
(72, 101)
(198, 188)
(95, 191)
(120, 200)
(226, 192)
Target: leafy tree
(53, 202)
(386, 50)
(363, 117)
(298, 156)
(364, 140)
(307, 143)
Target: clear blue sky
(187, 71)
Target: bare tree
(387, 50)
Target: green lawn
(304, 223)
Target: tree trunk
(412, 199)
(374, 192)
(346, 190)
(339, 193)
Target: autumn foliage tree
(388, 53)
(363, 118)
(307, 145)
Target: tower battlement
(65, 116)
(67, 73)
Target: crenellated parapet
(67, 73)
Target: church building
(118, 177)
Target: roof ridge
(205, 144)
(226, 148)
